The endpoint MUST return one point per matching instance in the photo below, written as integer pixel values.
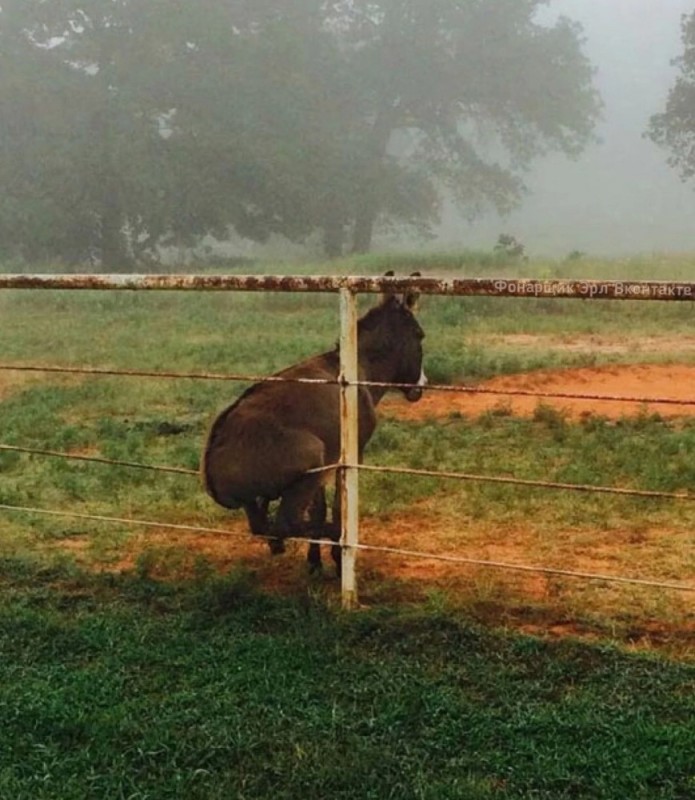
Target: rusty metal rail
(488, 287)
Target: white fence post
(349, 478)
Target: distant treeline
(126, 126)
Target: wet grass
(165, 421)
(125, 688)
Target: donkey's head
(390, 342)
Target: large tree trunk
(364, 226)
(333, 233)
(333, 241)
(368, 211)
(112, 240)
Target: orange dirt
(11, 382)
(530, 602)
(670, 381)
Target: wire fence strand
(432, 387)
(423, 473)
(131, 464)
(168, 375)
(573, 487)
(451, 559)
(97, 460)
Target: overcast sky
(620, 197)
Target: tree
(477, 88)
(126, 125)
(86, 164)
(674, 129)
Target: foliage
(674, 128)
(510, 246)
(126, 126)
(474, 90)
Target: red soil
(671, 381)
(530, 602)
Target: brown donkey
(260, 448)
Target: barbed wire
(451, 559)
(478, 390)
(139, 373)
(424, 473)
(536, 484)
(131, 464)
(97, 460)
(434, 387)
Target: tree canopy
(674, 128)
(126, 125)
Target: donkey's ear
(411, 298)
(388, 295)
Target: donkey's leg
(335, 530)
(296, 499)
(317, 524)
(257, 515)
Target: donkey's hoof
(277, 546)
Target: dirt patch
(595, 344)
(642, 383)
(534, 603)
(12, 382)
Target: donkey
(260, 448)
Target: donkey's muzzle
(277, 546)
(414, 393)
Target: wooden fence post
(349, 477)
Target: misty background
(314, 129)
(620, 196)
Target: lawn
(125, 688)
(136, 664)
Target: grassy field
(204, 685)
(125, 688)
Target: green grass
(165, 421)
(121, 686)
(237, 332)
(135, 425)
(124, 688)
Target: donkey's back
(273, 434)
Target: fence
(348, 288)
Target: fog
(331, 128)
(620, 197)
